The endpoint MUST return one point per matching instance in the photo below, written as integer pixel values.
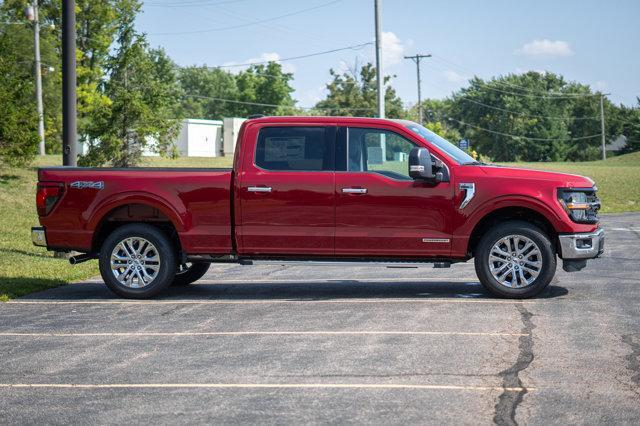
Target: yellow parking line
(258, 302)
(261, 386)
(262, 333)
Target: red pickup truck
(319, 190)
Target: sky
(589, 41)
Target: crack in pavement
(633, 359)
(505, 410)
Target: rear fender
(178, 215)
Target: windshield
(450, 149)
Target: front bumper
(582, 246)
(38, 236)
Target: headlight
(581, 204)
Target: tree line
(130, 92)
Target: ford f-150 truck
(323, 190)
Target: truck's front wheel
(515, 259)
(137, 261)
(190, 272)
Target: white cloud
(600, 85)
(310, 97)
(267, 56)
(392, 49)
(545, 47)
(454, 77)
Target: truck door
(286, 190)
(380, 210)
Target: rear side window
(294, 149)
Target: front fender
(515, 200)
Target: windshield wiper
(474, 163)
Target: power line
(523, 137)
(549, 117)
(417, 58)
(233, 101)
(533, 93)
(279, 28)
(189, 3)
(262, 21)
(354, 47)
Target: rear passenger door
(287, 198)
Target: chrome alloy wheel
(135, 262)
(515, 261)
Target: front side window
(294, 149)
(379, 151)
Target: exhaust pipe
(74, 260)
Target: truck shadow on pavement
(291, 290)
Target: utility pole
(379, 74)
(603, 142)
(69, 123)
(416, 58)
(32, 15)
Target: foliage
(142, 88)
(252, 91)
(538, 109)
(203, 87)
(354, 93)
(18, 135)
(266, 84)
(626, 122)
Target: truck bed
(195, 201)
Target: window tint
(378, 151)
(294, 149)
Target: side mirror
(420, 164)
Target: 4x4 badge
(83, 184)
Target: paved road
(341, 345)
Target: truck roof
(322, 119)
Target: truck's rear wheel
(190, 272)
(515, 260)
(137, 261)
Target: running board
(380, 263)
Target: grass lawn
(25, 268)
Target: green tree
(18, 132)
(626, 121)
(202, 89)
(96, 26)
(265, 84)
(354, 93)
(213, 93)
(531, 117)
(142, 88)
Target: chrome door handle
(259, 189)
(354, 190)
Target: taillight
(47, 196)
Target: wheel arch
(514, 212)
(135, 209)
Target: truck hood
(561, 179)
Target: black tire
(164, 249)
(517, 228)
(187, 274)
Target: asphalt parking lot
(277, 344)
